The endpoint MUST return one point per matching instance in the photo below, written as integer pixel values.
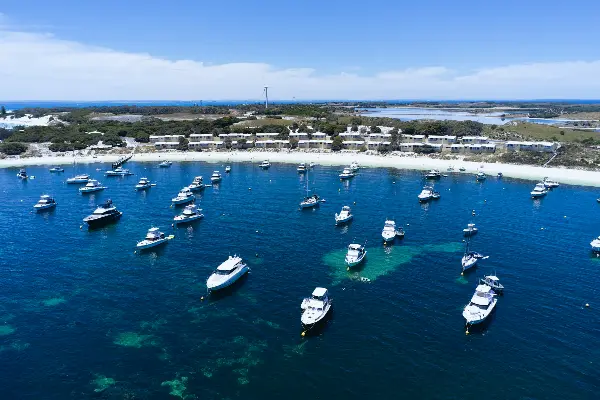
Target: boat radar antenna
(266, 96)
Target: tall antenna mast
(266, 97)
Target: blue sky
(450, 40)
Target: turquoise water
(82, 316)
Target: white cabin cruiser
(190, 213)
(481, 305)
(197, 184)
(480, 176)
(84, 178)
(227, 273)
(470, 230)
(347, 174)
(22, 174)
(45, 202)
(389, 231)
(153, 238)
(355, 255)
(427, 194)
(301, 168)
(143, 184)
(227, 169)
(316, 307)
(184, 196)
(165, 164)
(493, 282)
(433, 174)
(92, 186)
(550, 184)
(344, 216)
(57, 169)
(354, 167)
(265, 164)
(595, 245)
(216, 177)
(118, 172)
(539, 191)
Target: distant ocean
(15, 105)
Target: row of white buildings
(353, 141)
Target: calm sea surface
(82, 316)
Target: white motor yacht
(316, 307)
(153, 238)
(470, 230)
(184, 196)
(481, 305)
(426, 194)
(433, 174)
(265, 164)
(143, 184)
(354, 167)
(57, 169)
(480, 176)
(595, 245)
(549, 184)
(190, 213)
(84, 178)
(227, 169)
(389, 231)
(22, 174)
(92, 186)
(118, 172)
(227, 273)
(344, 216)
(355, 255)
(539, 191)
(493, 282)
(165, 164)
(197, 184)
(216, 177)
(347, 174)
(45, 202)
(301, 168)
(312, 165)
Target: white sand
(562, 175)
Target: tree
(337, 144)
(242, 143)
(354, 128)
(363, 130)
(227, 142)
(183, 144)
(362, 148)
(293, 143)
(2, 111)
(13, 148)
(375, 129)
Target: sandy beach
(562, 175)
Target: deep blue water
(78, 307)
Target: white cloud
(37, 66)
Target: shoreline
(527, 172)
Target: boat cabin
(228, 266)
(154, 234)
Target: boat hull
(44, 207)
(308, 323)
(142, 187)
(143, 246)
(354, 263)
(467, 265)
(309, 205)
(98, 222)
(183, 201)
(84, 191)
(344, 220)
(234, 278)
(388, 238)
(179, 220)
(479, 319)
(77, 181)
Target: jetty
(122, 161)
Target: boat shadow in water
(320, 327)
(157, 251)
(105, 225)
(229, 290)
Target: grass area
(542, 132)
(262, 122)
(582, 115)
(188, 116)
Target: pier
(122, 161)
